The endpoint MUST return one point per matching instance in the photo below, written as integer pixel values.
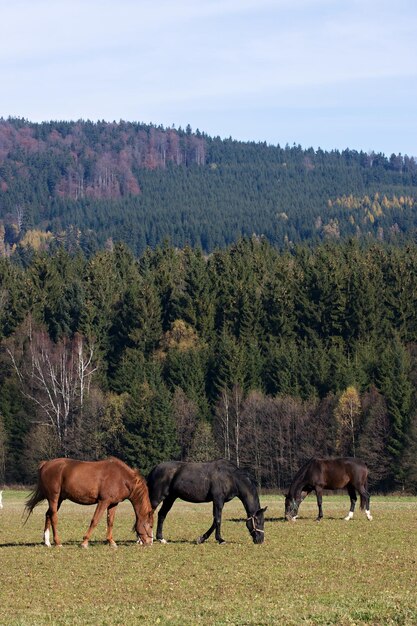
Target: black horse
(217, 481)
(320, 474)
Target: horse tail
(37, 495)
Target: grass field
(335, 572)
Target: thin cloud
(199, 61)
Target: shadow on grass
(267, 519)
(70, 542)
(194, 542)
(92, 544)
(283, 520)
(17, 544)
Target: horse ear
(264, 509)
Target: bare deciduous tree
(374, 436)
(277, 436)
(347, 414)
(228, 420)
(56, 377)
(223, 423)
(203, 447)
(20, 214)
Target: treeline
(261, 356)
(90, 183)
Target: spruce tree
(149, 437)
(395, 384)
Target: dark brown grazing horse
(105, 483)
(319, 474)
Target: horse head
(291, 508)
(255, 525)
(143, 528)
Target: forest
(261, 354)
(84, 185)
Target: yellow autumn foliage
(36, 239)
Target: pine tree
(187, 370)
(58, 293)
(14, 297)
(149, 436)
(229, 363)
(196, 305)
(136, 325)
(395, 384)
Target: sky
(329, 74)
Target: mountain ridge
(90, 182)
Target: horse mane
(241, 471)
(140, 487)
(247, 473)
(301, 472)
(138, 478)
(114, 459)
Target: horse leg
(217, 520)
(319, 494)
(304, 495)
(111, 512)
(217, 514)
(100, 508)
(365, 501)
(163, 512)
(353, 497)
(51, 519)
(48, 520)
(207, 534)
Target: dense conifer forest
(165, 294)
(82, 184)
(263, 356)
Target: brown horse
(105, 483)
(319, 474)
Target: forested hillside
(80, 185)
(263, 356)
(161, 297)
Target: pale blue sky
(320, 73)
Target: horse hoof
(112, 544)
(200, 540)
(58, 545)
(221, 542)
(84, 545)
(164, 541)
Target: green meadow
(333, 572)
